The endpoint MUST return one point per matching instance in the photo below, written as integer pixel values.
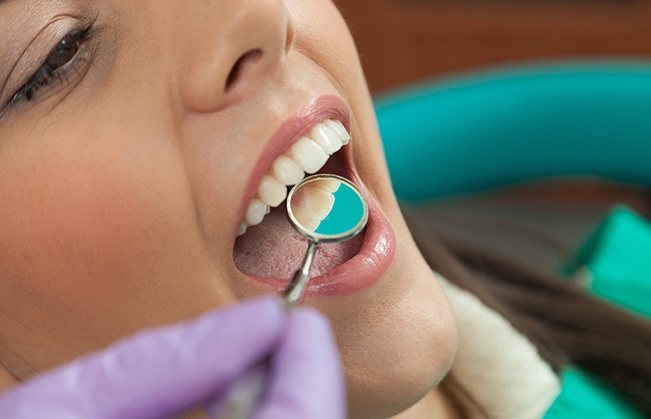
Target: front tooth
(309, 155)
(327, 138)
(271, 191)
(256, 212)
(340, 129)
(242, 229)
(287, 171)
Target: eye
(64, 52)
(57, 67)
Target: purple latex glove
(163, 372)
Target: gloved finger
(156, 373)
(306, 379)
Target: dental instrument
(324, 208)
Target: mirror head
(327, 208)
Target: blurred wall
(402, 41)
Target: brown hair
(567, 324)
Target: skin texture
(121, 186)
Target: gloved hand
(168, 371)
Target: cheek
(68, 199)
(98, 238)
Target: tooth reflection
(327, 184)
(314, 202)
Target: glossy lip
(379, 244)
(323, 107)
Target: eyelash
(53, 70)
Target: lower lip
(365, 268)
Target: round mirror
(327, 208)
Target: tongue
(275, 250)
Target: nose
(238, 47)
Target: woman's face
(134, 135)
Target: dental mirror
(325, 209)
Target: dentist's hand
(168, 371)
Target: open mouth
(268, 247)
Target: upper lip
(319, 109)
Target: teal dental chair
(505, 126)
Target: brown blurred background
(402, 41)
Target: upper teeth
(307, 155)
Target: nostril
(240, 66)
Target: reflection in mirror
(327, 208)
